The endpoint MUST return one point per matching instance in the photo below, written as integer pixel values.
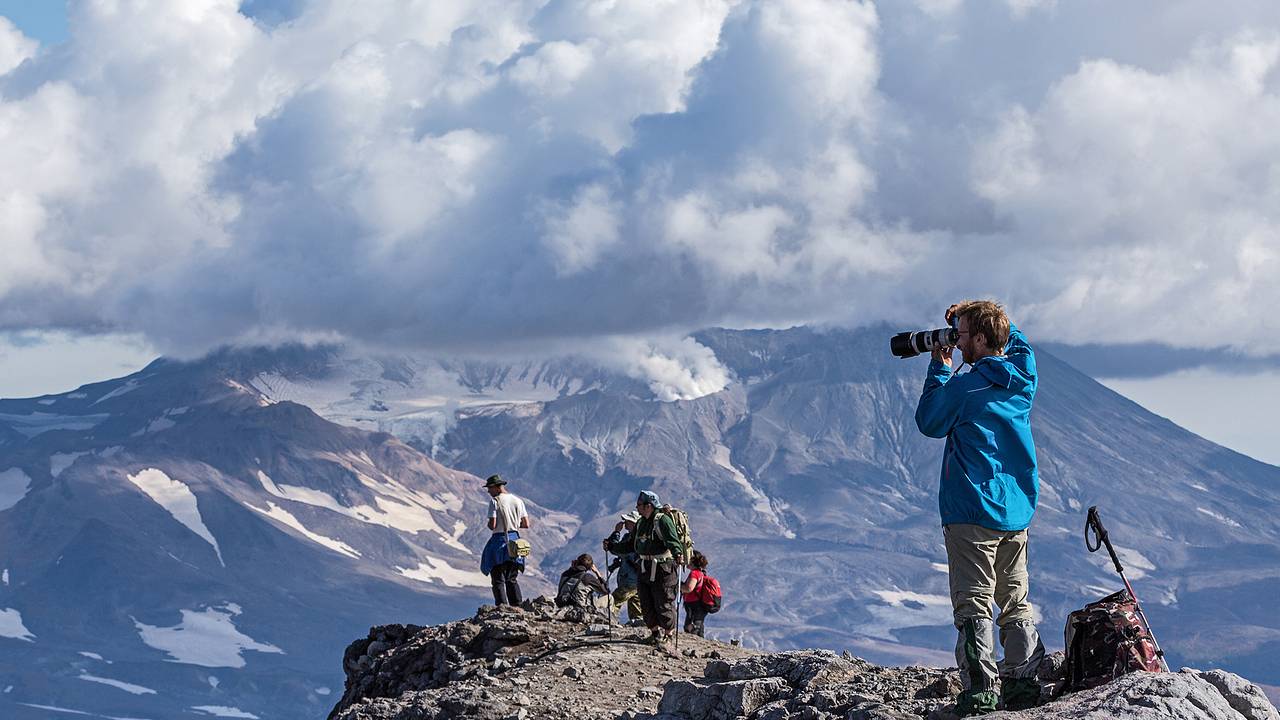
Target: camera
(911, 344)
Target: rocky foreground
(540, 661)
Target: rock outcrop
(820, 685)
(538, 662)
(541, 662)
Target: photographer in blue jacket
(987, 497)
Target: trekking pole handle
(1094, 522)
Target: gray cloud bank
(467, 174)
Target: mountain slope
(174, 540)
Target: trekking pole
(679, 604)
(1094, 522)
(608, 566)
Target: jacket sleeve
(1019, 352)
(940, 403)
(594, 582)
(621, 545)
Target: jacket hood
(1001, 371)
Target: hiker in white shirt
(507, 516)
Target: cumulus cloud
(459, 175)
(14, 46)
(1157, 193)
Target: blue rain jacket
(989, 474)
(495, 551)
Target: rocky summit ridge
(539, 661)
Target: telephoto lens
(910, 344)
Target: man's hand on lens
(943, 355)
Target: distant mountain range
(206, 537)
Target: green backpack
(681, 521)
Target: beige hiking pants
(984, 566)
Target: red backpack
(709, 594)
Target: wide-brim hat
(631, 516)
(494, 481)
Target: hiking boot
(975, 702)
(666, 644)
(1019, 693)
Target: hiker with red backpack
(701, 595)
(657, 541)
(987, 495)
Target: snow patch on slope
(11, 626)
(156, 425)
(1219, 516)
(61, 461)
(409, 512)
(759, 501)
(1135, 563)
(55, 708)
(176, 498)
(36, 423)
(14, 484)
(118, 684)
(284, 517)
(904, 609)
(208, 638)
(432, 569)
(224, 711)
(127, 387)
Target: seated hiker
(701, 595)
(580, 584)
(657, 542)
(627, 565)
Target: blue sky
(535, 175)
(43, 20)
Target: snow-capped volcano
(417, 398)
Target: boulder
(1243, 696)
(707, 700)
(803, 669)
(1185, 695)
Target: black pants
(695, 613)
(658, 596)
(506, 589)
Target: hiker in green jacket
(657, 542)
